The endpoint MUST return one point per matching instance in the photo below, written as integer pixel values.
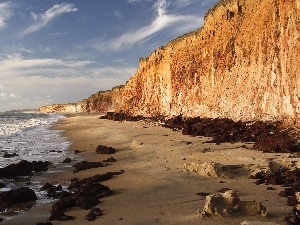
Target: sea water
(26, 135)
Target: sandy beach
(162, 175)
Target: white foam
(32, 141)
(7, 129)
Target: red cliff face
(243, 64)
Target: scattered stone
(76, 152)
(269, 188)
(56, 151)
(111, 159)
(92, 215)
(15, 196)
(83, 193)
(293, 217)
(67, 160)
(206, 150)
(84, 165)
(267, 137)
(228, 204)
(9, 155)
(291, 180)
(101, 149)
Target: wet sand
(156, 187)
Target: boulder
(101, 149)
(228, 204)
(19, 195)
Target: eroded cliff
(99, 102)
(242, 64)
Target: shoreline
(156, 187)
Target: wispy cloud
(42, 20)
(5, 13)
(36, 82)
(161, 21)
(184, 3)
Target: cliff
(242, 64)
(100, 102)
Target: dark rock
(46, 187)
(84, 165)
(287, 192)
(19, 195)
(203, 194)
(223, 190)
(83, 193)
(86, 202)
(111, 159)
(269, 188)
(292, 201)
(46, 223)
(101, 149)
(268, 137)
(92, 215)
(23, 168)
(9, 155)
(39, 166)
(57, 151)
(61, 217)
(67, 160)
(293, 218)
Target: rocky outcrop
(242, 64)
(104, 101)
(228, 204)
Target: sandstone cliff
(242, 64)
(99, 102)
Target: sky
(59, 51)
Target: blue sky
(54, 51)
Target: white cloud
(31, 83)
(161, 21)
(42, 20)
(184, 3)
(5, 13)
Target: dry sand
(155, 188)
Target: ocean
(25, 135)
